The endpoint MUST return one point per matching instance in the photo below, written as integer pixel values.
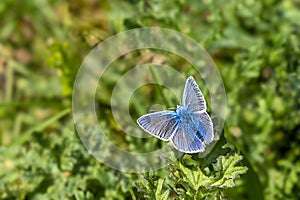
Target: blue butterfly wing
(204, 127)
(161, 124)
(189, 136)
(193, 98)
(186, 140)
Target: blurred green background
(255, 44)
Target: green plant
(255, 45)
(194, 178)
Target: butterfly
(189, 128)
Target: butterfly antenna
(171, 108)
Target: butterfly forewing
(161, 124)
(193, 98)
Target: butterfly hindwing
(186, 140)
(161, 124)
(193, 98)
(204, 126)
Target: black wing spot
(199, 135)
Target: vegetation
(256, 46)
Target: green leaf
(229, 171)
(159, 195)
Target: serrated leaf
(194, 178)
(224, 173)
(229, 171)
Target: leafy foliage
(256, 46)
(194, 178)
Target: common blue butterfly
(189, 127)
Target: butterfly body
(185, 116)
(189, 128)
